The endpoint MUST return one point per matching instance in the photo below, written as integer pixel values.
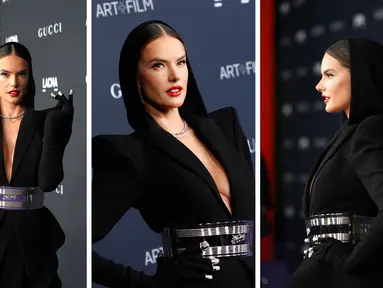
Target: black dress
(348, 178)
(29, 239)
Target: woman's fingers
(61, 97)
(71, 96)
(63, 101)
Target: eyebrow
(3, 70)
(164, 61)
(328, 70)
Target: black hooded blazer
(29, 239)
(155, 173)
(348, 178)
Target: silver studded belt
(21, 198)
(348, 228)
(224, 239)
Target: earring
(139, 92)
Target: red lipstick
(14, 93)
(174, 91)
(326, 99)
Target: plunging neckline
(222, 163)
(9, 181)
(210, 134)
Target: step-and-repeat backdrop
(55, 33)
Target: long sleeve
(57, 132)
(114, 190)
(366, 158)
(114, 186)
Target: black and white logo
(51, 29)
(50, 84)
(13, 38)
(115, 90)
(151, 256)
(115, 8)
(237, 70)
(60, 189)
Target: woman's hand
(331, 251)
(58, 122)
(186, 266)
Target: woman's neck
(11, 110)
(169, 120)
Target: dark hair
(22, 52)
(130, 55)
(154, 31)
(341, 52)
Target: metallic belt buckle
(220, 239)
(21, 198)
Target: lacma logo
(12, 38)
(237, 70)
(50, 83)
(115, 8)
(51, 29)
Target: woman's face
(163, 73)
(335, 85)
(14, 78)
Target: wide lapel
(211, 135)
(177, 151)
(3, 177)
(208, 132)
(328, 153)
(27, 129)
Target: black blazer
(348, 178)
(33, 236)
(155, 173)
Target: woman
(343, 199)
(32, 148)
(181, 166)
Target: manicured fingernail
(216, 268)
(71, 92)
(53, 95)
(60, 93)
(209, 277)
(204, 245)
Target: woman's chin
(176, 103)
(13, 100)
(329, 109)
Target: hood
(22, 51)
(366, 58)
(138, 118)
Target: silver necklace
(12, 119)
(183, 131)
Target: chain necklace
(12, 119)
(183, 131)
